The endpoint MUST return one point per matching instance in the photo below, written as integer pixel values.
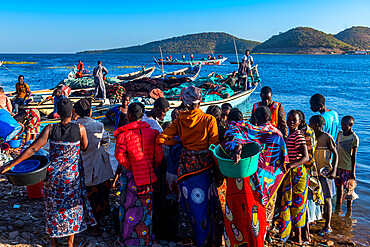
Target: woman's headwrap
(64, 107)
(192, 95)
(82, 107)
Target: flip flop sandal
(325, 232)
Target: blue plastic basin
(15, 143)
(26, 166)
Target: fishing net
(115, 92)
(86, 82)
(212, 88)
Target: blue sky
(70, 26)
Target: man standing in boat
(245, 70)
(80, 68)
(99, 75)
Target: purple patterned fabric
(135, 213)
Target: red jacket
(137, 150)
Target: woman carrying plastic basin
(200, 217)
(249, 199)
(67, 209)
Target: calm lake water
(343, 80)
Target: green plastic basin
(245, 167)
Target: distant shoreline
(179, 54)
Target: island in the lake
(300, 40)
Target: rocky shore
(22, 224)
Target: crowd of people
(170, 183)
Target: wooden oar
(236, 52)
(47, 99)
(146, 65)
(162, 60)
(211, 50)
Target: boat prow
(191, 73)
(145, 72)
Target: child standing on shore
(324, 150)
(347, 150)
(295, 185)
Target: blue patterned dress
(67, 209)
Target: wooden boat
(145, 72)
(72, 74)
(234, 100)
(48, 107)
(126, 77)
(191, 73)
(194, 62)
(47, 92)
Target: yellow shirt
(23, 90)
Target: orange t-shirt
(23, 90)
(80, 66)
(196, 129)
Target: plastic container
(245, 167)
(26, 166)
(15, 143)
(325, 171)
(9, 127)
(36, 190)
(32, 177)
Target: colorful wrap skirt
(200, 214)
(67, 208)
(294, 201)
(32, 124)
(245, 216)
(343, 176)
(135, 212)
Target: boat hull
(194, 62)
(235, 100)
(47, 108)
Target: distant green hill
(356, 36)
(206, 43)
(303, 40)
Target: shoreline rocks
(25, 226)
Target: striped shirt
(293, 143)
